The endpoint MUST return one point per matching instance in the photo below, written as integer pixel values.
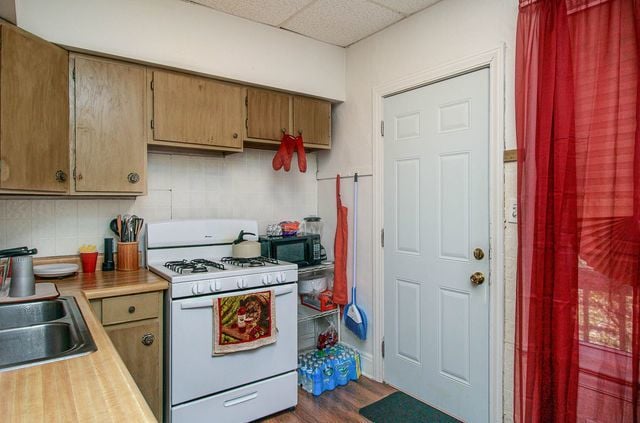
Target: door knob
(478, 254)
(477, 278)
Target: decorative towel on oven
(244, 322)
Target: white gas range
(194, 256)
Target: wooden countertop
(95, 387)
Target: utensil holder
(127, 259)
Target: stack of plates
(56, 270)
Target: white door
(436, 192)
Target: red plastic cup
(89, 261)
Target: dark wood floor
(339, 405)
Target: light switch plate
(512, 211)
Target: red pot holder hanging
(284, 155)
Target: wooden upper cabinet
(34, 113)
(110, 126)
(267, 114)
(312, 118)
(197, 111)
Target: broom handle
(355, 235)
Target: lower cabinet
(134, 325)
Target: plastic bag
(328, 337)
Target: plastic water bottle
(353, 373)
(328, 380)
(317, 387)
(343, 370)
(308, 380)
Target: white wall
(193, 37)
(448, 31)
(179, 187)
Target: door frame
(494, 61)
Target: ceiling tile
(270, 12)
(406, 7)
(341, 22)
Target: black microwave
(303, 250)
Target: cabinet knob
(235, 135)
(147, 339)
(299, 131)
(132, 309)
(284, 130)
(61, 176)
(133, 178)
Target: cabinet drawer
(130, 307)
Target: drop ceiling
(338, 22)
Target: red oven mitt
(284, 154)
(302, 157)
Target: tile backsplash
(179, 187)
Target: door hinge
(382, 347)
(74, 173)
(73, 73)
(382, 237)
(246, 100)
(151, 123)
(382, 128)
(152, 85)
(246, 123)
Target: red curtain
(578, 289)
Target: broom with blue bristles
(354, 317)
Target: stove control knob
(194, 289)
(216, 285)
(278, 278)
(245, 283)
(264, 280)
(239, 283)
(283, 277)
(270, 278)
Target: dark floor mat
(400, 407)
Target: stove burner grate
(192, 266)
(209, 263)
(248, 262)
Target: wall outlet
(512, 211)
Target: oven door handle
(209, 302)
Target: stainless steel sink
(41, 332)
(25, 314)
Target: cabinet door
(34, 113)
(110, 125)
(312, 118)
(142, 361)
(193, 110)
(267, 114)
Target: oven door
(195, 373)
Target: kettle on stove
(243, 248)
